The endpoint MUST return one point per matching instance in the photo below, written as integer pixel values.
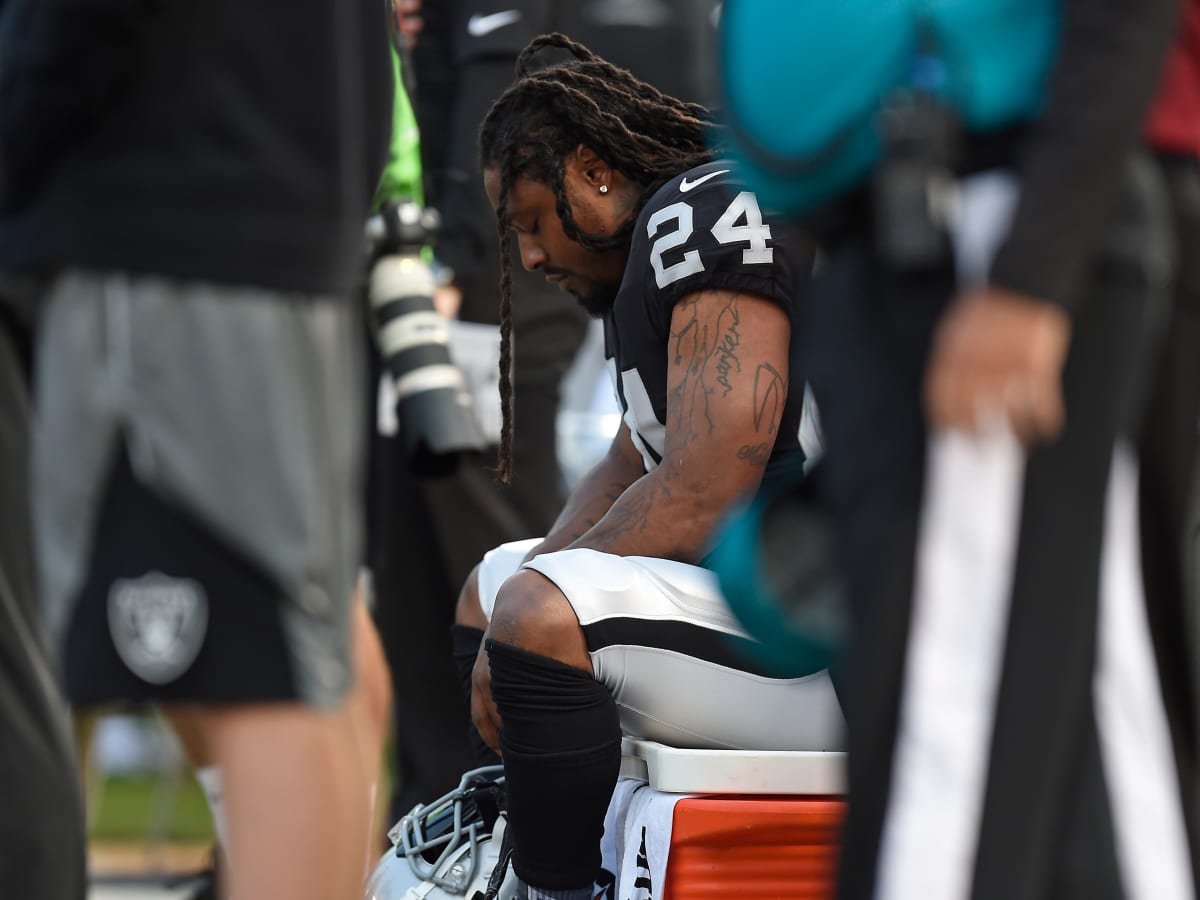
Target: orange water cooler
(761, 826)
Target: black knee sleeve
(561, 740)
(466, 640)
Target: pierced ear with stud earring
(604, 188)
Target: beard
(598, 299)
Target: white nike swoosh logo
(479, 25)
(685, 185)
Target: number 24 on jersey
(727, 230)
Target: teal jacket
(803, 79)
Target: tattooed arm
(595, 493)
(727, 373)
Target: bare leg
(296, 798)
(371, 699)
(187, 724)
(333, 759)
(369, 707)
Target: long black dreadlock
(646, 135)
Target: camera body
(915, 189)
(434, 406)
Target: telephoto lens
(434, 407)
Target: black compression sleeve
(467, 641)
(561, 739)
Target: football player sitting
(611, 625)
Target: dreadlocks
(641, 132)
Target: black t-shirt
(221, 141)
(700, 231)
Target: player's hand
(483, 707)
(997, 353)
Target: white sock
(210, 781)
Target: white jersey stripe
(649, 434)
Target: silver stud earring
(604, 188)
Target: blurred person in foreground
(42, 853)
(996, 254)
(190, 184)
(1170, 437)
(611, 625)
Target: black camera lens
(915, 185)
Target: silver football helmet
(451, 847)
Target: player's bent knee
(531, 613)
(469, 611)
(561, 739)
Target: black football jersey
(700, 231)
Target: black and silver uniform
(700, 231)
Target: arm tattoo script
(726, 355)
(757, 455)
(708, 359)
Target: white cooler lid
(680, 771)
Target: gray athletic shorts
(197, 489)
(680, 668)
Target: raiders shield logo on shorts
(157, 624)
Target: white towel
(637, 838)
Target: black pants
(1170, 441)
(42, 855)
(1045, 824)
